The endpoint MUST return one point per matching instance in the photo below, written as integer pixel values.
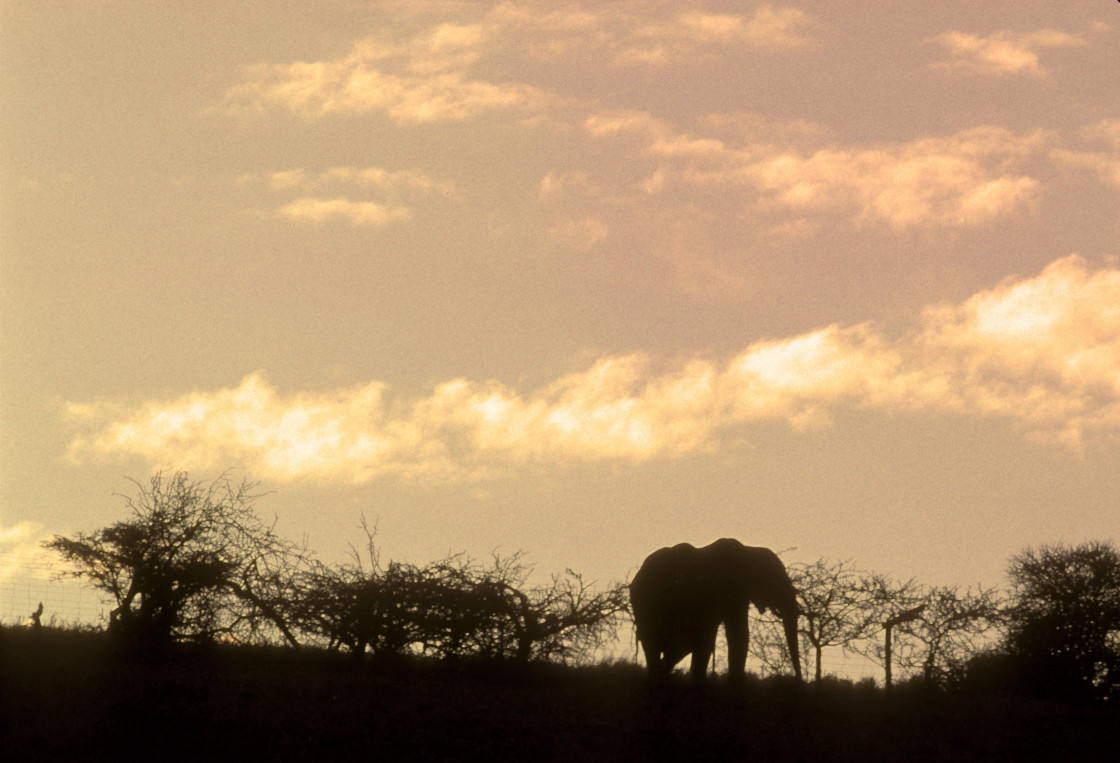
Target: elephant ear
(775, 591)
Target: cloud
(580, 234)
(560, 31)
(422, 79)
(1107, 131)
(373, 178)
(1041, 352)
(397, 191)
(1002, 52)
(691, 32)
(315, 210)
(732, 186)
(22, 555)
(432, 74)
(646, 35)
(1104, 163)
(336, 435)
(960, 180)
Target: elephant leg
(673, 656)
(700, 660)
(654, 662)
(738, 641)
(702, 653)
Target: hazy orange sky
(580, 280)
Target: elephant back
(671, 595)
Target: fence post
(888, 625)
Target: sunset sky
(578, 280)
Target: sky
(579, 280)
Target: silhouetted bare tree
(840, 605)
(194, 562)
(952, 627)
(893, 602)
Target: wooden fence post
(888, 625)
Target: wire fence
(26, 580)
(834, 660)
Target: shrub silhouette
(454, 608)
(1064, 624)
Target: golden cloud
(1042, 352)
(689, 33)
(315, 210)
(422, 79)
(379, 178)
(1105, 164)
(397, 189)
(1002, 52)
(22, 554)
(426, 76)
(960, 180)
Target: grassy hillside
(68, 695)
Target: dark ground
(67, 696)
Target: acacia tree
(950, 627)
(1064, 619)
(193, 562)
(840, 605)
(891, 602)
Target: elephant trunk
(789, 620)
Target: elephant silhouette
(681, 595)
